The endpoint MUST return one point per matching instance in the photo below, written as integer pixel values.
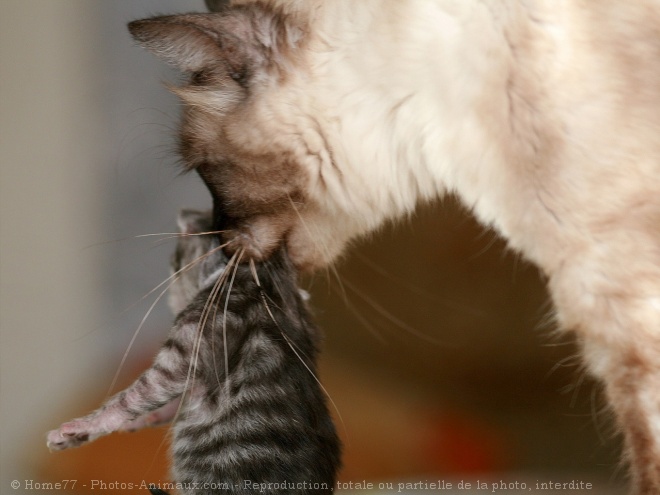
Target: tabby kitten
(241, 358)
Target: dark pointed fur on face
(230, 56)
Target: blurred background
(440, 353)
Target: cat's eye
(200, 77)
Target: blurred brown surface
(441, 341)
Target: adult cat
(314, 121)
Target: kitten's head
(243, 129)
(197, 260)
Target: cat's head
(197, 260)
(243, 129)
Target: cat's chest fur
(508, 104)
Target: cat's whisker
(213, 355)
(224, 318)
(389, 316)
(577, 387)
(180, 234)
(361, 319)
(216, 291)
(299, 354)
(163, 240)
(183, 269)
(145, 296)
(171, 235)
(112, 241)
(402, 283)
(341, 292)
(206, 311)
(217, 288)
(330, 267)
(595, 415)
(171, 279)
(568, 361)
(135, 335)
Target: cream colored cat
(314, 121)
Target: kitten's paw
(72, 434)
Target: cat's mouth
(261, 236)
(256, 238)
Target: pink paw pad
(71, 434)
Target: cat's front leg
(632, 383)
(616, 314)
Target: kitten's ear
(193, 42)
(194, 221)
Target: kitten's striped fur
(242, 358)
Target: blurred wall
(52, 144)
(85, 129)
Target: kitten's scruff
(314, 121)
(242, 359)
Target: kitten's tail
(156, 491)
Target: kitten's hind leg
(161, 384)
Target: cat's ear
(194, 221)
(194, 42)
